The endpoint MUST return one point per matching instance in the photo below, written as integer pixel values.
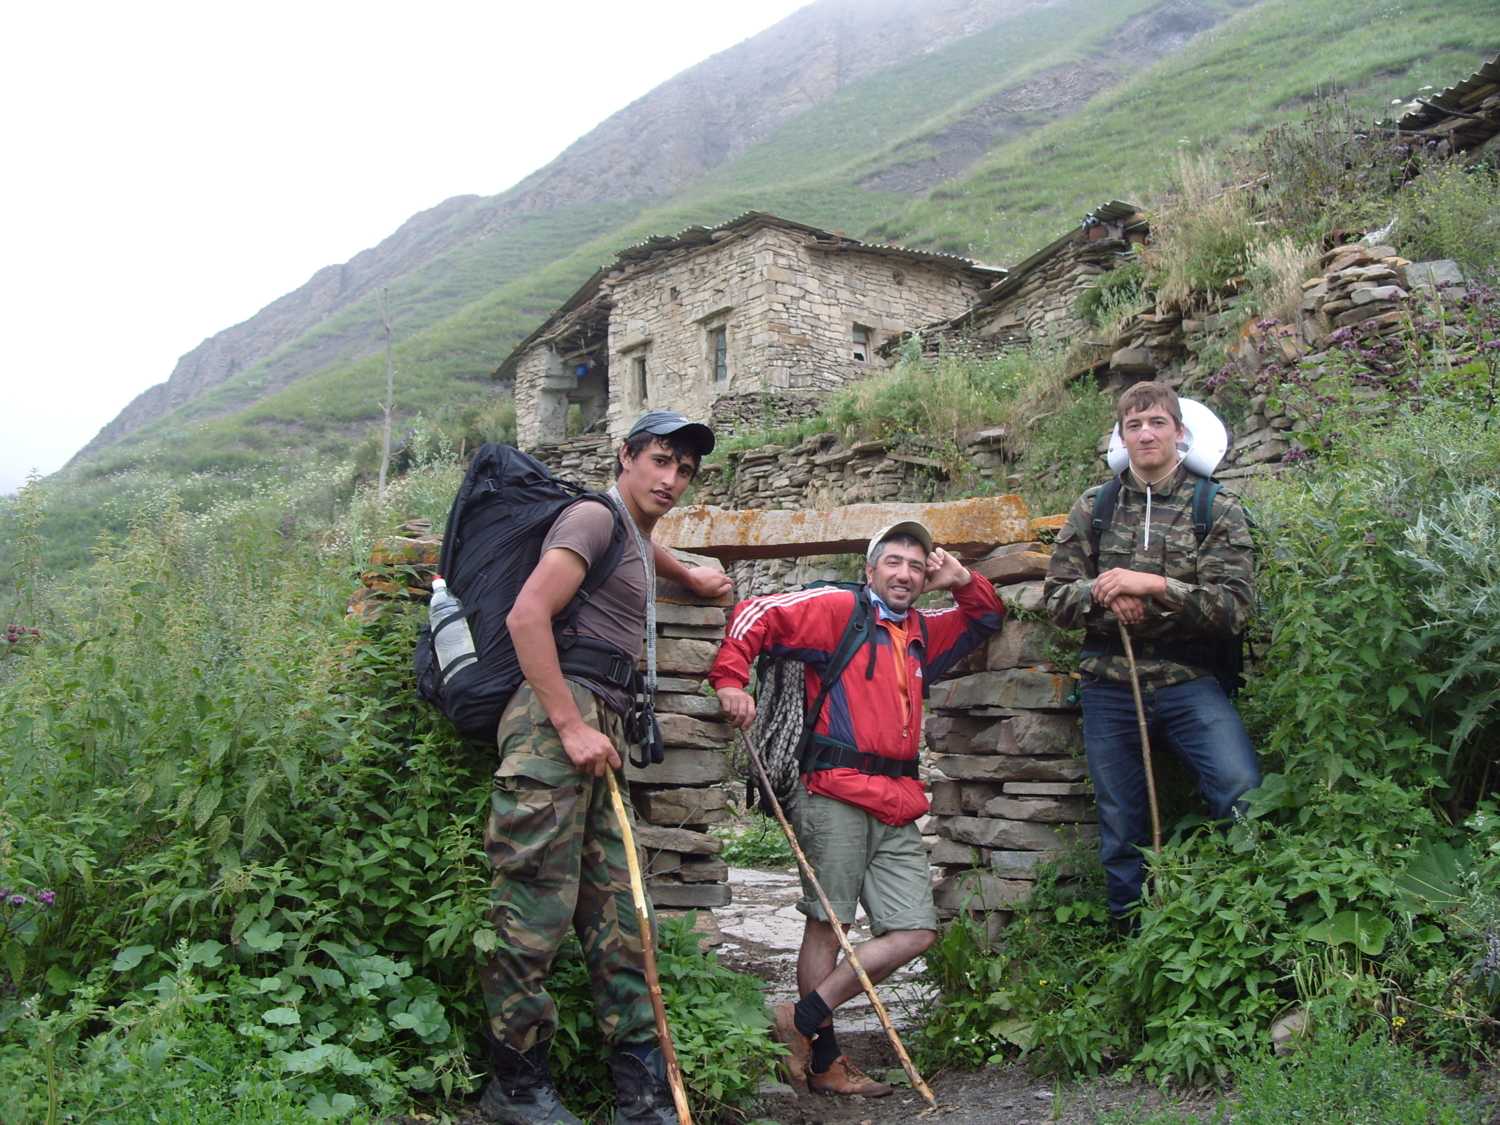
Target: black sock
(825, 1050)
(641, 1051)
(809, 1013)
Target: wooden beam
(967, 528)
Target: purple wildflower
(16, 900)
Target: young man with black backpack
(552, 836)
(859, 795)
(1165, 553)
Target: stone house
(760, 314)
(1036, 300)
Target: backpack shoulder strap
(1204, 493)
(1104, 511)
(859, 627)
(604, 566)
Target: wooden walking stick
(838, 931)
(1140, 715)
(648, 953)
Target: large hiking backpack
(1226, 658)
(505, 506)
(784, 721)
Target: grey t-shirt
(616, 613)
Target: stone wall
(1043, 305)
(1009, 787)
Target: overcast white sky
(173, 167)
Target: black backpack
(505, 506)
(1226, 658)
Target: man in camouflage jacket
(1184, 603)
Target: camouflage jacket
(1212, 585)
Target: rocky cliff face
(725, 104)
(685, 127)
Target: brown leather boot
(843, 1077)
(794, 1065)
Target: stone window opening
(638, 378)
(718, 353)
(862, 337)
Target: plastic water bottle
(454, 645)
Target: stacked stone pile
(676, 800)
(588, 460)
(401, 567)
(1009, 789)
(1149, 345)
(1364, 287)
(680, 798)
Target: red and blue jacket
(877, 715)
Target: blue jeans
(1198, 723)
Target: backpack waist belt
(599, 660)
(827, 754)
(1198, 654)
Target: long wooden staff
(1140, 716)
(838, 931)
(648, 953)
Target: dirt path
(762, 930)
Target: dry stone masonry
(761, 306)
(1009, 790)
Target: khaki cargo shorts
(861, 860)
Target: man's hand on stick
(739, 707)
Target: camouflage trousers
(554, 843)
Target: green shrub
(1453, 212)
(1340, 1081)
(235, 804)
(1122, 290)
(761, 843)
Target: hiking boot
(645, 1097)
(794, 1065)
(843, 1077)
(520, 1091)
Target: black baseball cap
(664, 422)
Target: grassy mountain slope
(460, 312)
(1261, 67)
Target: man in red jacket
(855, 809)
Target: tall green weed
(230, 797)
(1453, 212)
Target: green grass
(1257, 69)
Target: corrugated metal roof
(1466, 113)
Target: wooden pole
(838, 931)
(648, 953)
(1140, 717)
(390, 390)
